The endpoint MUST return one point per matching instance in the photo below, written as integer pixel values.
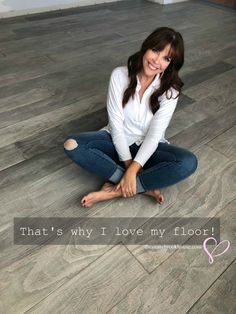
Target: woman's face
(155, 62)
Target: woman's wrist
(134, 168)
(127, 163)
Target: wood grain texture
(211, 301)
(225, 143)
(22, 99)
(109, 276)
(176, 284)
(220, 297)
(205, 130)
(10, 155)
(231, 60)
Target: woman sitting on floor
(131, 152)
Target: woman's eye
(154, 49)
(168, 59)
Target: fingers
(127, 186)
(117, 187)
(127, 192)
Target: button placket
(140, 109)
(142, 104)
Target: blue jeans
(96, 153)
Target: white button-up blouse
(135, 123)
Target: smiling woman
(162, 53)
(131, 152)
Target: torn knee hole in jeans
(70, 144)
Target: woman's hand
(128, 181)
(127, 184)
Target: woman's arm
(158, 126)
(116, 115)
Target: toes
(87, 204)
(86, 198)
(86, 201)
(161, 199)
(83, 201)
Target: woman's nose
(156, 60)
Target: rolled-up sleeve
(157, 128)
(116, 116)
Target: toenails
(161, 200)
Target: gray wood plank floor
(54, 70)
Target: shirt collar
(155, 83)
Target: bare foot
(106, 193)
(157, 195)
(107, 186)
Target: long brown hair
(158, 39)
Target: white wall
(20, 7)
(166, 1)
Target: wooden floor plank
(24, 128)
(109, 275)
(23, 99)
(170, 287)
(211, 301)
(10, 155)
(204, 131)
(24, 113)
(225, 143)
(36, 167)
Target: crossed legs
(95, 152)
(107, 191)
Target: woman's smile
(152, 67)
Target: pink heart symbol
(211, 254)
